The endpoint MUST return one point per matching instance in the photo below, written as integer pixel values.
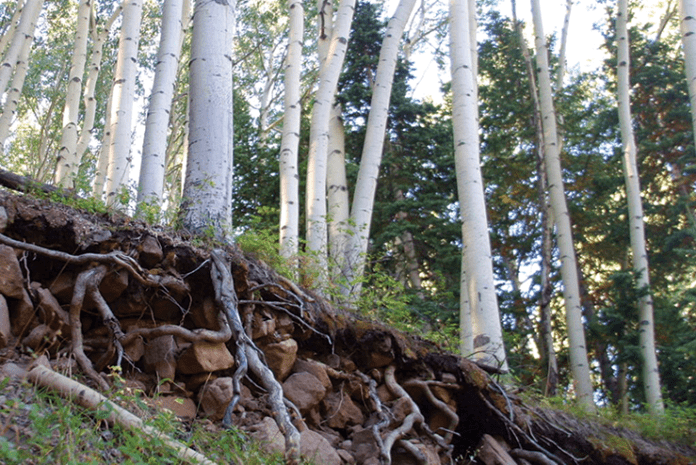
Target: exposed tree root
(87, 397)
(226, 296)
(437, 403)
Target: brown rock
(263, 324)
(364, 446)
(5, 328)
(113, 284)
(22, 315)
(267, 433)
(304, 390)
(205, 315)
(400, 410)
(281, 357)
(11, 278)
(214, 397)
(317, 449)
(52, 313)
(428, 455)
(384, 394)
(315, 368)
(204, 357)
(159, 357)
(62, 287)
(150, 252)
(182, 407)
(491, 452)
(4, 219)
(40, 338)
(340, 411)
(135, 349)
(346, 456)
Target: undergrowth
(38, 427)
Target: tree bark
(687, 18)
(206, 205)
(290, 141)
(651, 375)
(478, 286)
(151, 183)
(571, 292)
(68, 162)
(122, 94)
(23, 33)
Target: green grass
(38, 427)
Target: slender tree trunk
(651, 375)
(68, 163)
(90, 100)
(20, 71)
(576, 333)
(366, 183)
(151, 183)
(24, 32)
(546, 222)
(290, 141)
(478, 293)
(207, 202)
(315, 196)
(9, 31)
(122, 96)
(687, 17)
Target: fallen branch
(89, 398)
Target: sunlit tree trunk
(329, 73)
(290, 141)
(687, 18)
(366, 183)
(151, 183)
(68, 163)
(207, 202)
(9, 31)
(20, 71)
(651, 375)
(98, 39)
(24, 32)
(478, 290)
(571, 291)
(122, 96)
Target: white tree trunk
(20, 72)
(687, 18)
(68, 163)
(478, 292)
(290, 140)
(151, 183)
(90, 100)
(23, 33)
(339, 202)
(651, 375)
(207, 202)
(9, 32)
(366, 184)
(319, 134)
(122, 96)
(571, 290)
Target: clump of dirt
(217, 334)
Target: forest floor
(130, 321)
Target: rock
(304, 390)
(281, 357)
(182, 407)
(346, 456)
(205, 357)
(364, 446)
(214, 397)
(400, 410)
(159, 357)
(428, 455)
(135, 349)
(62, 287)
(5, 328)
(315, 368)
(384, 394)
(53, 314)
(340, 411)
(11, 278)
(491, 452)
(150, 252)
(22, 315)
(205, 315)
(267, 433)
(113, 284)
(317, 449)
(4, 219)
(40, 338)
(263, 324)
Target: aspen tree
(207, 202)
(687, 18)
(151, 183)
(651, 375)
(479, 304)
(571, 290)
(24, 32)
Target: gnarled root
(226, 297)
